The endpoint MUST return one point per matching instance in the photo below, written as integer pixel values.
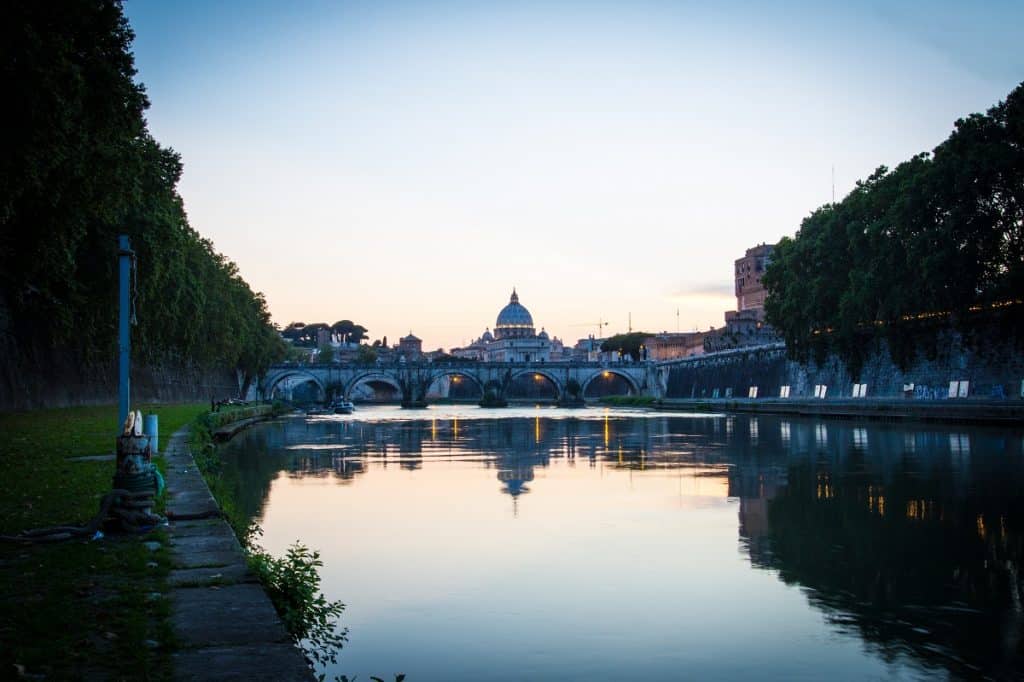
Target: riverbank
(224, 424)
(176, 603)
(967, 411)
(81, 608)
(223, 620)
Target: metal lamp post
(124, 341)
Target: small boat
(343, 407)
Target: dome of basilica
(514, 320)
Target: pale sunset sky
(405, 164)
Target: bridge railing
(689, 359)
(598, 364)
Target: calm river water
(550, 544)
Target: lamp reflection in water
(959, 444)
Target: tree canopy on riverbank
(628, 344)
(80, 167)
(937, 242)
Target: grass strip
(80, 608)
(628, 400)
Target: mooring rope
(124, 505)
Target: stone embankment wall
(57, 382)
(994, 371)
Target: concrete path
(224, 621)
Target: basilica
(515, 339)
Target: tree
(358, 334)
(79, 168)
(294, 331)
(325, 355)
(627, 344)
(938, 242)
(366, 354)
(349, 331)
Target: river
(612, 544)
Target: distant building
(585, 349)
(514, 339)
(589, 350)
(433, 355)
(746, 326)
(385, 354)
(410, 347)
(750, 293)
(476, 350)
(742, 328)
(669, 346)
(559, 353)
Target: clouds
(713, 290)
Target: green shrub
(293, 581)
(230, 414)
(628, 400)
(293, 584)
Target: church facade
(514, 339)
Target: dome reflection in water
(540, 543)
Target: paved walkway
(224, 621)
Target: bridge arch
(369, 377)
(440, 374)
(274, 380)
(539, 371)
(606, 372)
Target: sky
(405, 164)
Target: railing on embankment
(993, 372)
(975, 411)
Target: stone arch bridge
(413, 380)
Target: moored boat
(343, 407)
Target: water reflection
(907, 539)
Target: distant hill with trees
(305, 335)
(79, 168)
(935, 244)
